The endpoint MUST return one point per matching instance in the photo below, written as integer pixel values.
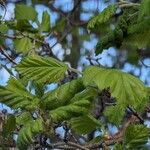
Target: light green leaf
(135, 136)
(40, 69)
(45, 25)
(126, 88)
(23, 45)
(62, 94)
(15, 95)
(103, 17)
(115, 114)
(28, 132)
(85, 124)
(25, 12)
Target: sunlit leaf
(40, 69)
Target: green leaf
(3, 28)
(76, 107)
(45, 25)
(15, 95)
(135, 136)
(118, 147)
(9, 126)
(105, 42)
(28, 132)
(25, 12)
(85, 124)
(127, 89)
(41, 69)
(115, 114)
(62, 94)
(23, 45)
(135, 39)
(23, 118)
(103, 17)
(144, 9)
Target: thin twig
(7, 55)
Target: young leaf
(23, 45)
(135, 136)
(25, 12)
(28, 132)
(115, 114)
(45, 25)
(62, 94)
(85, 124)
(41, 69)
(15, 95)
(127, 89)
(103, 17)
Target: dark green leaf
(9, 126)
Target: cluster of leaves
(74, 101)
(132, 26)
(28, 31)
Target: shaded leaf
(25, 12)
(28, 132)
(9, 126)
(84, 124)
(62, 94)
(76, 107)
